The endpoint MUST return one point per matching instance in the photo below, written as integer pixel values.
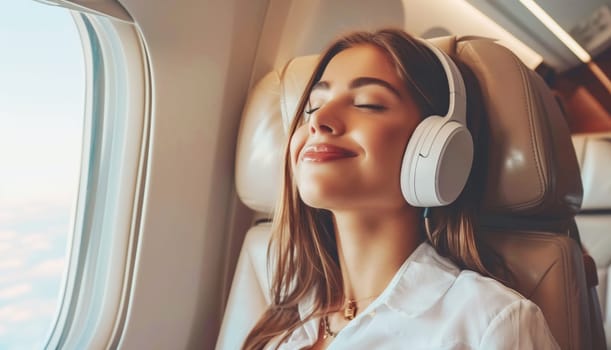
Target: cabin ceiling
(588, 22)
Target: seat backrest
(532, 193)
(594, 221)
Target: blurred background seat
(594, 221)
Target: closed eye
(373, 107)
(311, 110)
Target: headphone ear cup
(436, 163)
(411, 157)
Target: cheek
(387, 144)
(296, 143)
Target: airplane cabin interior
(207, 90)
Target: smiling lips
(323, 152)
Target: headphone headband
(457, 92)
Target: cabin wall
(201, 54)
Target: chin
(321, 198)
(313, 201)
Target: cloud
(51, 268)
(30, 256)
(15, 291)
(13, 313)
(19, 252)
(16, 270)
(6, 216)
(27, 310)
(36, 242)
(11, 263)
(7, 235)
(30, 244)
(7, 239)
(17, 210)
(26, 328)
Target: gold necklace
(327, 330)
(349, 314)
(350, 309)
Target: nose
(327, 120)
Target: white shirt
(431, 304)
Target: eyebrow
(359, 82)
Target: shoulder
(498, 316)
(483, 299)
(429, 281)
(465, 287)
(519, 325)
(488, 313)
(471, 286)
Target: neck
(372, 246)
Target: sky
(42, 85)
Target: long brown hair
(303, 249)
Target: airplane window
(42, 89)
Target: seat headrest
(594, 153)
(533, 171)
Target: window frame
(106, 221)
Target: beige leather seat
(594, 220)
(532, 193)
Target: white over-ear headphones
(439, 154)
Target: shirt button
(372, 313)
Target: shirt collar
(420, 282)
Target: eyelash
(373, 107)
(310, 111)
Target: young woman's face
(347, 153)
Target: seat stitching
(529, 107)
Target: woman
(355, 265)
